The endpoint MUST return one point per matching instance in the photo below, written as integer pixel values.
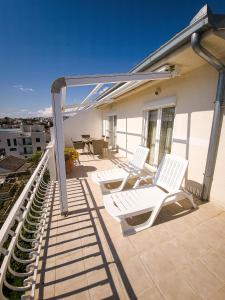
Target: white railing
(21, 234)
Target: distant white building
(23, 141)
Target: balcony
(85, 256)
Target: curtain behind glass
(166, 131)
(151, 139)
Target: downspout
(217, 114)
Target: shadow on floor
(81, 170)
(89, 214)
(78, 233)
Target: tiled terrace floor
(85, 256)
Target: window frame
(159, 106)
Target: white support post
(57, 103)
(51, 162)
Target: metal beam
(114, 78)
(120, 90)
(93, 92)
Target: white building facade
(23, 141)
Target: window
(112, 131)
(27, 141)
(8, 142)
(151, 139)
(159, 132)
(38, 140)
(38, 148)
(166, 132)
(15, 142)
(2, 151)
(12, 149)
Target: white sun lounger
(134, 168)
(164, 190)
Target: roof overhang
(204, 21)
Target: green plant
(35, 158)
(71, 152)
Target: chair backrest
(140, 156)
(170, 173)
(85, 136)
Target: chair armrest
(143, 178)
(171, 195)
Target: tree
(35, 158)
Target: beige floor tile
(160, 233)
(70, 266)
(150, 294)
(124, 248)
(46, 293)
(219, 295)
(120, 282)
(64, 256)
(93, 259)
(207, 211)
(220, 247)
(157, 264)
(215, 263)
(141, 241)
(99, 285)
(176, 252)
(203, 282)
(182, 224)
(133, 267)
(194, 243)
(72, 289)
(174, 287)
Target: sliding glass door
(159, 134)
(112, 131)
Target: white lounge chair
(134, 168)
(164, 190)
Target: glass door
(112, 131)
(166, 131)
(159, 135)
(151, 138)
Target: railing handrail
(13, 213)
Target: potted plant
(71, 155)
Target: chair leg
(189, 196)
(126, 229)
(129, 229)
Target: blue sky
(45, 39)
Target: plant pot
(69, 164)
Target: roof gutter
(180, 39)
(217, 114)
(202, 22)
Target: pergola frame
(58, 91)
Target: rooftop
(85, 256)
(12, 163)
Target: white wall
(218, 185)
(87, 122)
(195, 93)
